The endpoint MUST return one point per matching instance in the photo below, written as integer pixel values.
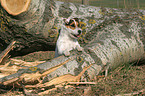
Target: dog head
(72, 26)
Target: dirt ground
(127, 79)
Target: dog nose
(79, 31)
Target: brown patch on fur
(71, 23)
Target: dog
(68, 36)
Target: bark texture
(110, 37)
(37, 28)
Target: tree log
(110, 37)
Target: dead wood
(15, 7)
(7, 50)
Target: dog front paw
(79, 48)
(67, 53)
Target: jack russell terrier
(68, 36)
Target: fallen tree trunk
(35, 23)
(110, 37)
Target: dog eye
(79, 25)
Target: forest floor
(126, 79)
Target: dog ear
(76, 19)
(66, 21)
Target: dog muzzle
(77, 35)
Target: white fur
(67, 42)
